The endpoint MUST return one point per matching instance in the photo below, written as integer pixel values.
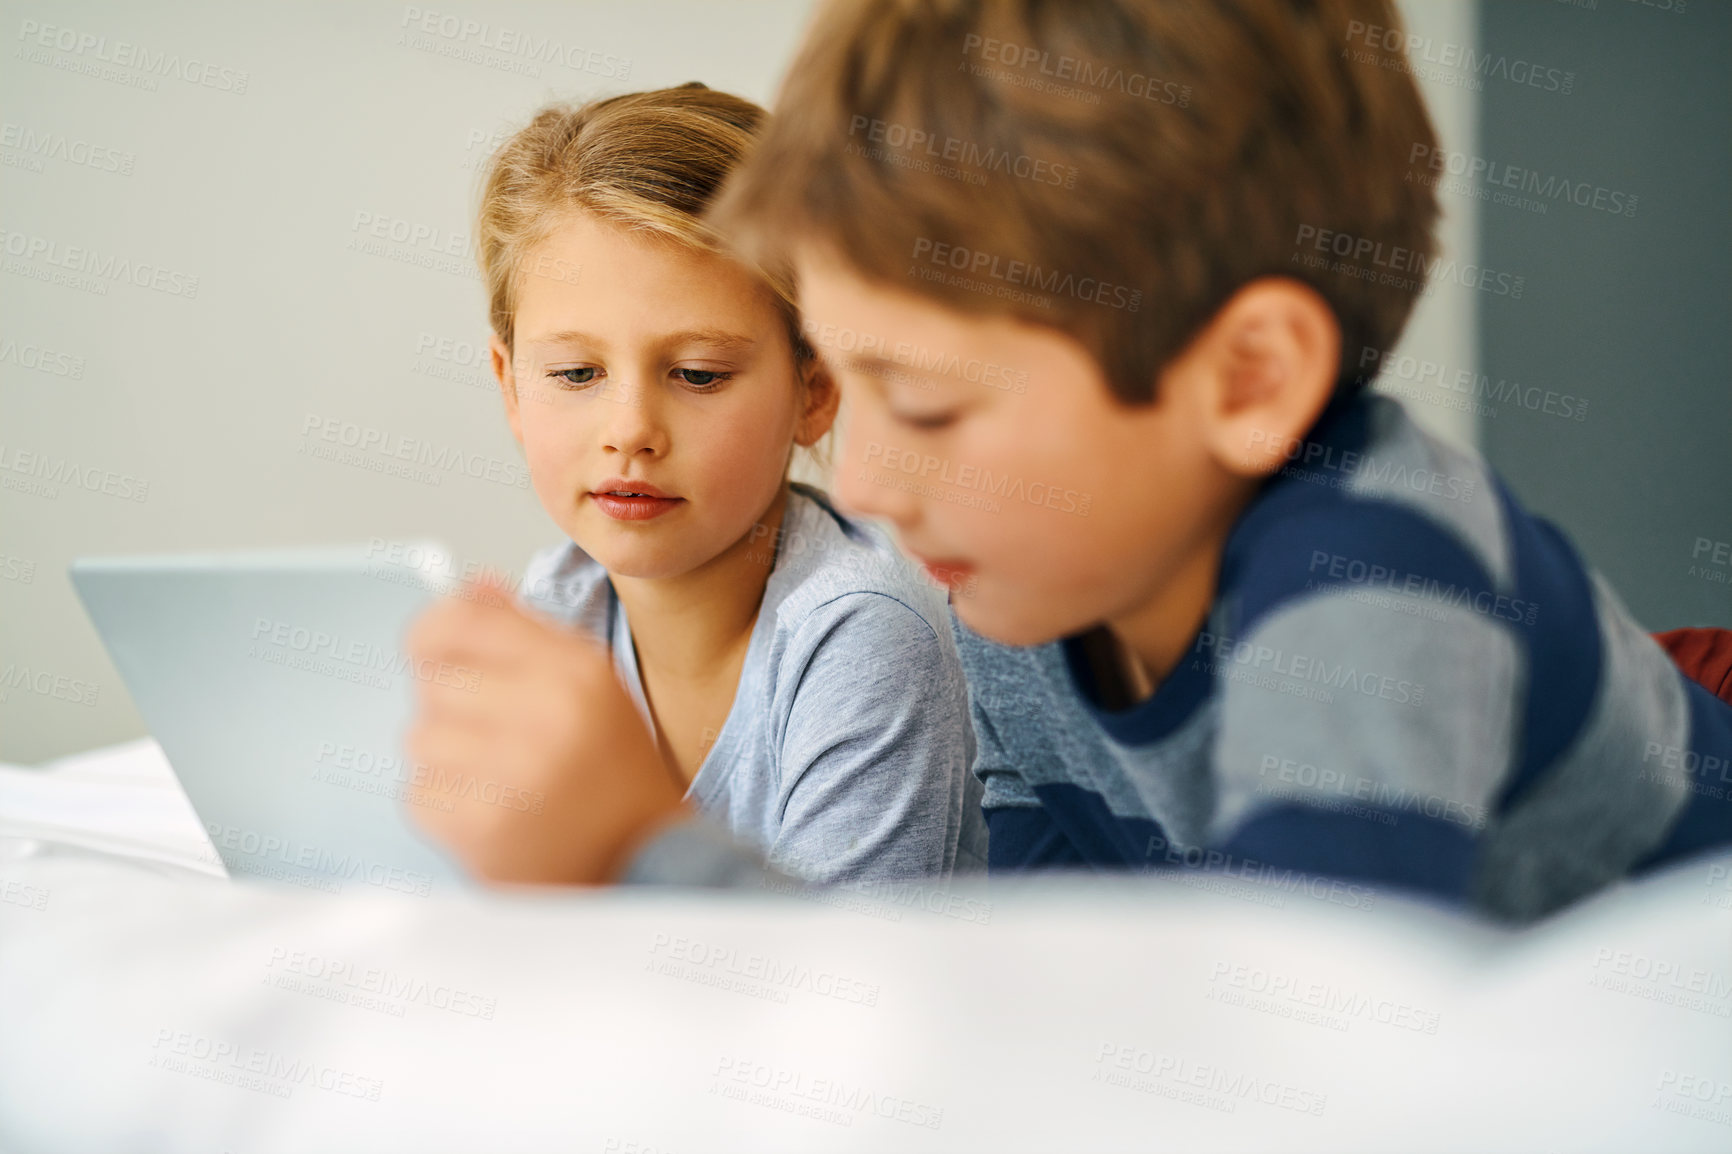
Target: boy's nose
(863, 487)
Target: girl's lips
(637, 487)
(634, 508)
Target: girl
(798, 678)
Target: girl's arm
(874, 744)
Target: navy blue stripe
(1564, 650)
(1372, 545)
(1099, 836)
(1416, 853)
(1706, 822)
(1345, 423)
(1075, 827)
(1025, 837)
(1177, 697)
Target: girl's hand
(533, 764)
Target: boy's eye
(927, 421)
(702, 378)
(582, 375)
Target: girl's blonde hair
(648, 161)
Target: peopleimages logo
(381, 450)
(1328, 567)
(43, 145)
(1322, 463)
(955, 150)
(1448, 62)
(1022, 275)
(1308, 783)
(1213, 653)
(1664, 980)
(45, 683)
(1056, 73)
(1204, 864)
(416, 235)
(359, 768)
(254, 1067)
(159, 64)
(697, 960)
(46, 472)
(1197, 1083)
(1002, 485)
(1395, 266)
(1327, 997)
(1580, 193)
(42, 360)
(824, 1099)
(270, 852)
(364, 656)
(343, 975)
(1418, 379)
(102, 268)
(526, 49)
(862, 351)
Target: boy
(1223, 607)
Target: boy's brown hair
(1115, 169)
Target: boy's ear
(1267, 363)
(506, 376)
(822, 399)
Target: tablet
(278, 687)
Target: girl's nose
(633, 423)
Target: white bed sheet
(142, 1011)
(121, 800)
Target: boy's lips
(625, 500)
(945, 572)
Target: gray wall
(1632, 313)
(197, 402)
(190, 408)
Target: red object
(1705, 656)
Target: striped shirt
(1404, 680)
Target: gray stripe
(1348, 702)
(1451, 488)
(1602, 807)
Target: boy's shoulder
(1371, 503)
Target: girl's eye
(703, 378)
(578, 376)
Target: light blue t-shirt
(846, 754)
